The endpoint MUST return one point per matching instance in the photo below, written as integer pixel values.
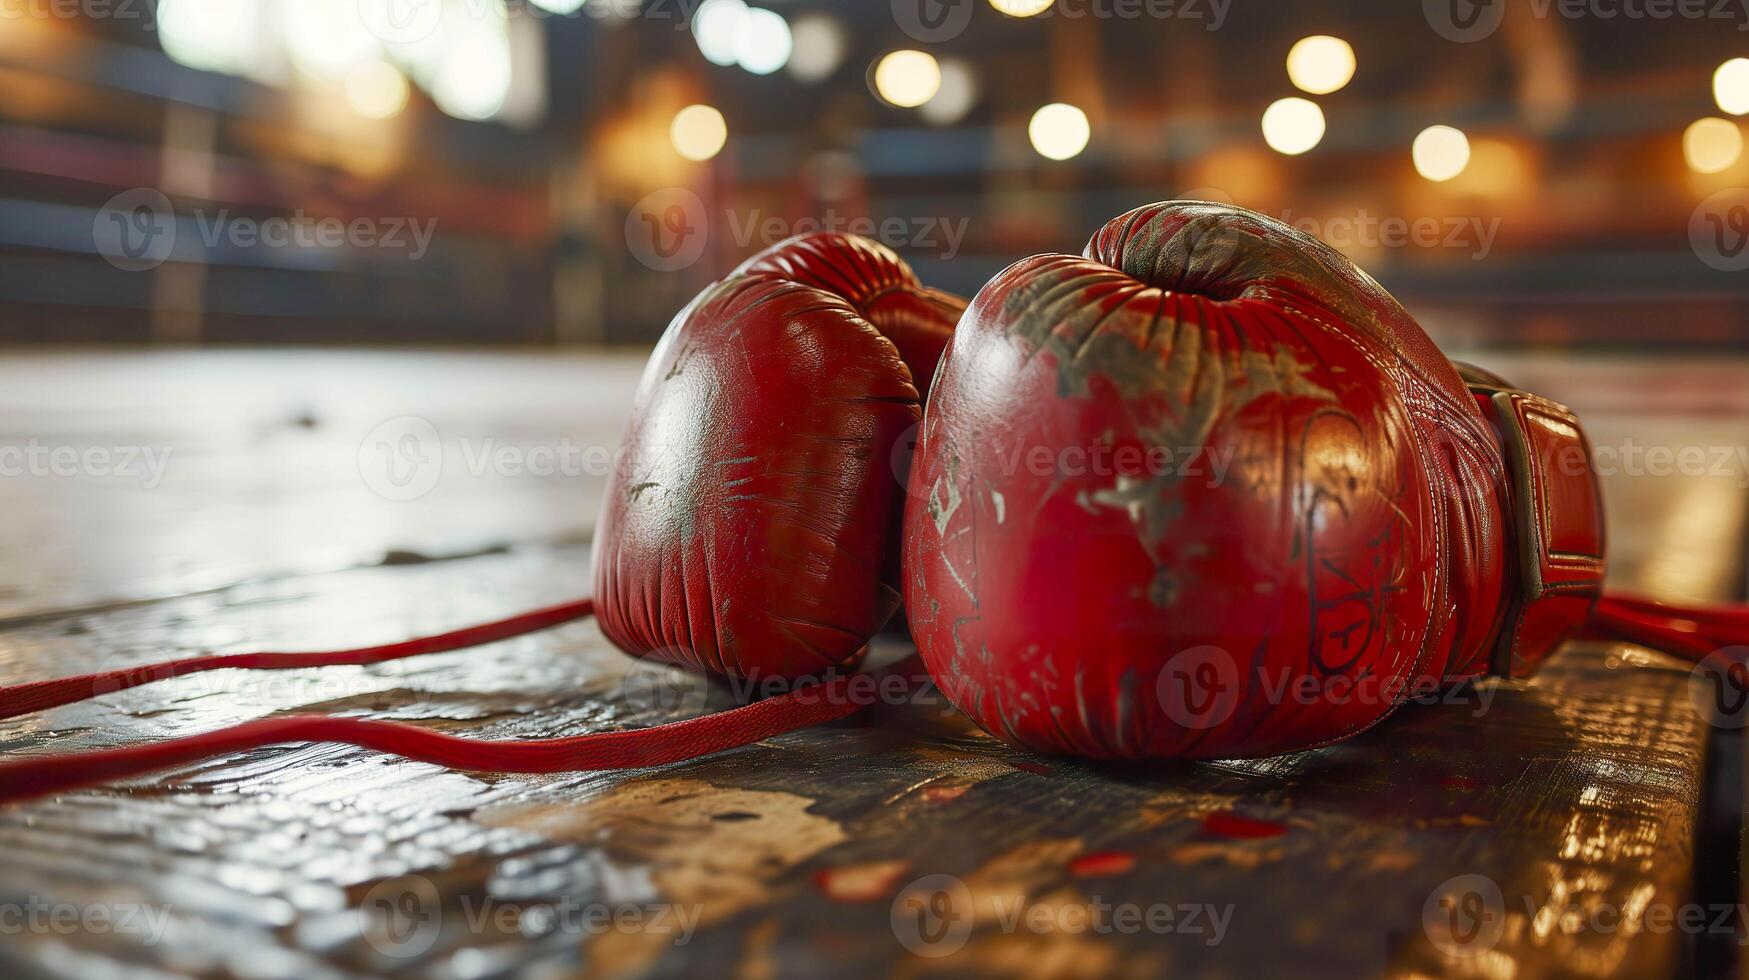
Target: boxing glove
(751, 522)
(1209, 491)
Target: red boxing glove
(1210, 491)
(751, 523)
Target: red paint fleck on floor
(1102, 863)
(870, 882)
(1226, 823)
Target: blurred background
(540, 172)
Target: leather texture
(1205, 491)
(751, 523)
(866, 274)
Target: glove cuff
(1555, 540)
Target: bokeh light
(213, 35)
(762, 41)
(907, 78)
(1022, 8)
(474, 76)
(376, 90)
(1731, 86)
(715, 25)
(1293, 125)
(326, 38)
(1320, 64)
(1059, 131)
(1711, 144)
(817, 47)
(698, 132)
(1440, 152)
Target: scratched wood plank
(1571, 794)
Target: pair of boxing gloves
(1205, 490)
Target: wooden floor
(1489, 836)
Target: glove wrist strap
(1555, 544)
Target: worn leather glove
(1208, 490)
(751, 524)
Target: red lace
(37, 695)
(1693, 633)
(673, 742)
(35, 776)
(1690, 632)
